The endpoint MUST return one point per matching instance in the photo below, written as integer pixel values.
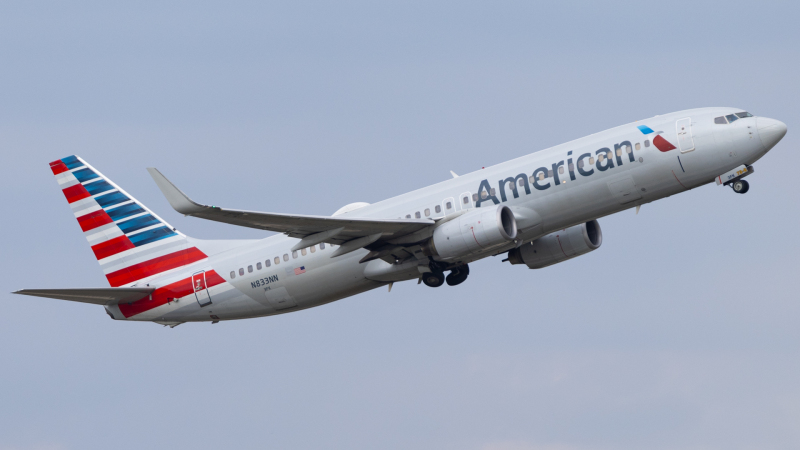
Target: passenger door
(200, 288)
(683, 127)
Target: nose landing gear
(740, 186)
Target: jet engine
(559, 246)
(477, 231)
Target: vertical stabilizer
(130, 242)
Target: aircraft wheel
(433, 279)
(740, 186)
(458, 275)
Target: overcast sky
(680, 332)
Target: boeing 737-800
(540, 209)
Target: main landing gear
(436, 278)
(740, 186)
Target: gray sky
(681, 332)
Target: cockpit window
(731, 118)
(720, 120)
(742, 115)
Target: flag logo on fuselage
(660, 143)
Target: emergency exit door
(201, 289)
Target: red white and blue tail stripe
(130, 242)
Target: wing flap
(97, 296)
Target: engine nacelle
(559, 246)
(477, 231)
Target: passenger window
(322, 246)
(628, 149)
(233, 274)
(731, 118)
(493, 192)
(550, 173)
(591, 160)
(303, 252)
(241, 271)
(647, 143)
(531, 179)
(474, 197)
(267, 263)
(427, 212)
(601, 157)
(541, 176)
(408, 216)
(294, 254)
(521, 182)
(417, 215)
(742, 115)
(249, 269)
(313, 248)
(561, 170)
(449, 205)
(510, 186)
(285, 256)
(580, 163)
(277, 260)
(571, 167)
(438, 209)
(465, 200)
(720, 120)
(638, 146)
(619, 152)
(258, 266)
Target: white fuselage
(589, 190)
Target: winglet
(179, 201)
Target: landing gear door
(201, 289)
(685, 139)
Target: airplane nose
(770, 131)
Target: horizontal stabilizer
(97, 296)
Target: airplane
(540, 209)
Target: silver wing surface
(351, 233)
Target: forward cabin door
(200, 289)
(685, 139)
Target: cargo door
(279, 298)
(624, 189)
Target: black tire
(740, 186)
(458, 275)
(433, 279)
(746, 187)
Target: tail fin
(131, 243)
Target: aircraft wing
(97, 296)
(312, 229)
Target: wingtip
(177, 199)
